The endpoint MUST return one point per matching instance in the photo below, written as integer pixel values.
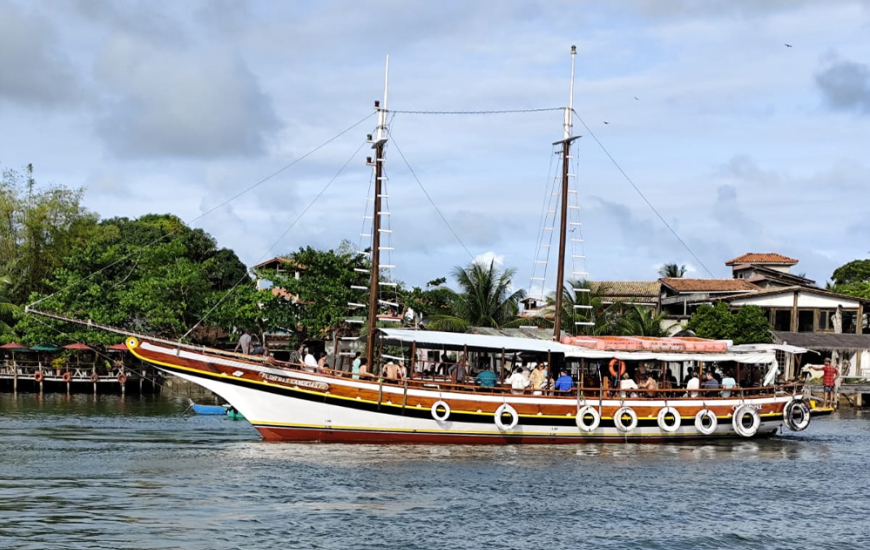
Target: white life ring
(582, 413)
(706, 414)
(663, 419)
(737, 420)
(796, 422)
(617, 419)
(502, 410)
(440, 405)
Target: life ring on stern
(706, 414)
(613, 362)
(95, 378)
(440, 405)
(38, 377)
(582, 413)
(503, 410)
(67, 377)
(740, 414)
(663, 419)
(796, 415)
(122, 378)
(617, 419)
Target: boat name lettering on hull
(321, 386)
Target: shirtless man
(392, 371)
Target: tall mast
(563, 225)
(378, 145)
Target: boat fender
(675, 422)
(613, 363)
(122, 378)
(38, 377)
(584, 412)
(67, 377)
(737, 420)
(796, 415)
(95, 378)
(442, 406)
(618, 420)
(708, 415)
(503, 410)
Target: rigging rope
(639, 192)
(502, 112)
(401, 154)
(207, 212)
(245, 277)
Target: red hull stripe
(320, 435)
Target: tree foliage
(485, 299)
(672, 271)
(640, 321)
(153, 275)
(852, 279)
(750, 325)
(39, 225)
(8, 310)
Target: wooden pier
(38, 377)
(857, 395)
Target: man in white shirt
(518, 381)
(310, 361)
(627, 384)
(693, 384)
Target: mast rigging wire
(639, 192)
(502, 112)
(207, 212)
(401, 154)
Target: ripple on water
(75, 473)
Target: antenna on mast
(378, 145)
(566, 156)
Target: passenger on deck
(518, 381)
(391, 371)
(354, 368)
(693, 384)
(692, 373)
(647, 382)
(710, 382)
(564, 382)
(442, 368)
(728, 382)
(364, 371)
(627, 384)
(310, 361)
(457, 372)
(538, 379)
(244, 343)
(321, 362)
(486, 378)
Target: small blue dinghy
(213, 410)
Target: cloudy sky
(741, 143)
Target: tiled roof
(762, 258)
(626, 289)
(799, 288)
(709, 285)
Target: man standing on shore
(830, 373)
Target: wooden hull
(295, 405)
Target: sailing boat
(293, 402)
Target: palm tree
(672, 271)
(485, 299)
(8, 310)
(640, 321)
(582, 302)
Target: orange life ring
(95, 378)
(67, 377)
(38, 377)
(621, 367)
(122, 378)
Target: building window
(782, 320)
(825, 324)
(805, 321)
(849, 321)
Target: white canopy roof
(474, 341)
(484, 341)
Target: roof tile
(762, 258)
(709, 285)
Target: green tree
(583, 303)
(152, 275)
(748, 326)
(852, 279)
(640, 321)
(39, 226)
(8, 310)
(485, 299)
(672, 271)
